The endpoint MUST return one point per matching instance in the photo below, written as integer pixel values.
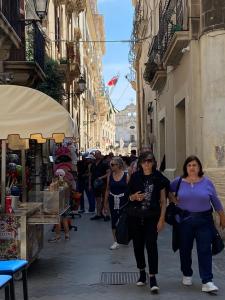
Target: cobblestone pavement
(72, 269)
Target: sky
(118, 18)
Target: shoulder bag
(122, 228)
(172, 210)
(217, 242)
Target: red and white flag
(113, 81)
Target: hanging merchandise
(22, 237)
(8, 204)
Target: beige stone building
(180, 75)
(126, 129)
(75, 35)
(107, 123)
(71, 33)
(22, 45)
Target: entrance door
(162, 135)
(180, 122)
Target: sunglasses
(112, 165)
(147, 160)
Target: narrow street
(72, 269)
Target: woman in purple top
(196, 196)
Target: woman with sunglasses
(146, 213)
(116, 192)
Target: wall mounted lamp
(94, 118)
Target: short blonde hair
(118, 160)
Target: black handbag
(217, 242)
(122, 229)
(172, 210)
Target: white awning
(32, 114)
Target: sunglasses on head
(147, 160)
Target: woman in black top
(146, 213)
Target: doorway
(180, 129)
(162, 136)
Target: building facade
(181, 80)
(126, 131)
(22, 46)
(79, 47)
(69, 33)
(108, 127)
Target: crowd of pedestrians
(114, 183)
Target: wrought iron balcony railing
(73, 52)
(171, 20)
(35, 44)
(11, 12)
(153, 60)
(33, 49)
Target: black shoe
(96, 217)
(142, 279)
(106, 218)
(153, 285)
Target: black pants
(144, 235)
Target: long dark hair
(188, 160)
(147, 155)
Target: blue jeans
(199, 228)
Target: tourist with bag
(116, 194)
(146, 211)
(97, 184)
(195, 198)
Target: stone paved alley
(72, 270)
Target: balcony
(74, 5)
(173, 32)
(22, 46)
(63, 66)
(8, 33)
(159, 80)
(212, 15)
(27, 63)
(73, 58)
(77, 33)
(154, 72)
(80, 5)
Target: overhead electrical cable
(108, 41)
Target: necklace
(192, 181)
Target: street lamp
(81, 85)
(41, 8)
(94, 117)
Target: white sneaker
(187, 280)
(209, 287)
(114, 246)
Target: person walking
(97, 184)
(195, 197)
(116, 193)
(146, 216)
(83, 169)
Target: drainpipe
(138, 107)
